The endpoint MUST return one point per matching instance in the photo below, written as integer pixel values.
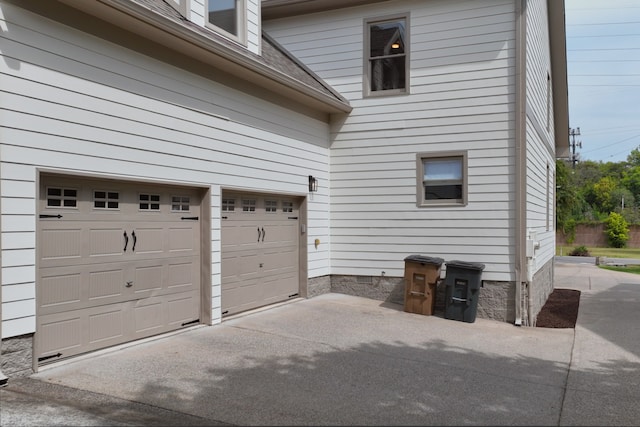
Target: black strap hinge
(192, 218)
(293, 295)
(293, 217)
(193, 322)
(50, 216)
(41, 359)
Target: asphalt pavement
(343, 360)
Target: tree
(603, 192)
(566, 197)
(617, 230)
(633, 159)
(631, 181)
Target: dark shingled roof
(273, 55)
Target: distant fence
(593, 235)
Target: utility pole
(573, 133)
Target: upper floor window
(442, 179)
(180, 6)
(387, 56)
(228, 16)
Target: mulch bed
(560, 310)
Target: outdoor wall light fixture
(313, 184)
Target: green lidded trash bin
(421, 277)
(462, 289)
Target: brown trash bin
(421, 277)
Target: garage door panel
(106, 284)
(61, 335)
(181, 239)
(110, 241)
(148, 240)
(106, 325)
(63, 289)
(61, 245)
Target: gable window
(442, 179)
(386, 56)
(228, 16)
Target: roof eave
(558, 43)
(148, 24)
(272, 9)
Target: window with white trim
(386, 56)
(442, 179)
(227, 17)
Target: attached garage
(117, 261)
(260, 250)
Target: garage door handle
(258, 234)
(263, 233)
(135, 240)
(126, 241)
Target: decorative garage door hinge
(293, 295)
(41, 359)
(192, 218)
(191, 323)
(50, 216)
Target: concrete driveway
(343, 360)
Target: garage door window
(271, 206)
(287, 206)
(106, 199)
(228, 205)
(179, 203)
(149, 202)
(58, 197)
(248, 205)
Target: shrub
(579, 251)
(617, 230)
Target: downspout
(3, 377)
(520, 157)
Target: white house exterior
(157, 159)
(484, 85)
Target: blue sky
(603, 67)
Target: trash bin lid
(466, 264)
(425, 259)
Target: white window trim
(420, 157)
(366, 80)
(241, 24)
(180, 6)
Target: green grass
(634, 269)
(565, 250)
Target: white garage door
(117, 262)
(260, 250)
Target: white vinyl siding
(462, 99)
(77, 104)
(540, 136)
